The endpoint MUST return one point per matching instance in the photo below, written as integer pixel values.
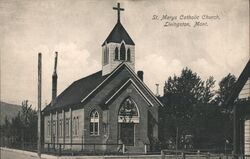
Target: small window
(73, 126)
(67, 127)
(48, 128)
(60, 128)
(94, 123)
(116, 53)
(106, 56)
(122, 52)
(128, 55)
(54, 128)
(77, 126)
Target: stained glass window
(128, 112)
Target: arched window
(116, 53)
(73, 126)
(107, 55)
(122, 52)
(128, 55)
(48, 128)
(104, 56)
(60, 128)
(67, 127)
(94, 123)
(54, 128)
(77, 125)
(128, 112)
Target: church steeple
(118, 47)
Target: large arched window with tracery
(128, 112)
(122, 52)
(94, 123)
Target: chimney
(54, 81)
(140, 75)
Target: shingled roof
(118, 34)
(77, 91)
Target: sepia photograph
(124, 79)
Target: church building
(109, 107)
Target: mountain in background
(9, 110)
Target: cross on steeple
(118, 11)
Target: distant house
(111, 106)
(240, 99)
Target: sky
(77, 28)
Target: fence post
(123, 148)
(145, 148)
(60, 149)
(208, 155)
(183, 155)
(198, 153)
(82, 142)
(162, 154)
(48, 147)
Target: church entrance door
(127, 133)
(128, 116)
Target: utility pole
(176, 141)
(39, 103)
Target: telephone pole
(39, 103)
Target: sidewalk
(45, 156)
(28, 153)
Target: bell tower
(118, 47)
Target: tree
(210, 127)
(199, 112)
(23, 127)
(28, 118)
(225, 88)
(181, 94)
